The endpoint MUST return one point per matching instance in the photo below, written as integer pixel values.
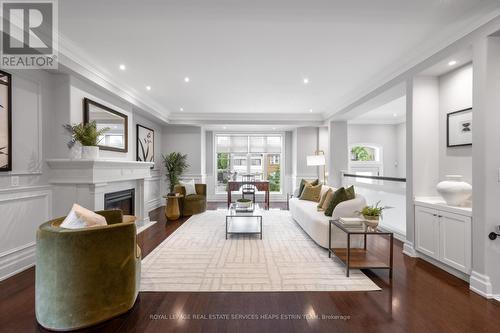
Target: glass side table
(359, 258)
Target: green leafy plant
(243, 200)
(372, 211)
(175, 164)
(87, 134)
(361, 154)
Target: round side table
(172, 211)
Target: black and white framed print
(145, 144)
(459, 128)
(5, 121)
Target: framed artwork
(145, 144)
(116, 138)
(5, 121)
(459, 128)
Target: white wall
(425, 135)
(186, 140)
(455, 93)
(41, 103)
(385, 136)
(401, 150)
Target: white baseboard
(409, 249)
(459, 274)
(146, 225)
(17, 260)
(481, 284)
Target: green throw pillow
(350, 192)
(338, 196)
(311, 193)
(303, 183)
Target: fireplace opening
(124, 200)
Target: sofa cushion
(328, 199)
(194, 197)
(311, 192)
(303, 183)
(323, 198)
(188, 186)
(351, 194)
(338, 196)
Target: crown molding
(248, 119)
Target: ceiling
(251, 57)
(393, 112)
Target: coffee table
(247, 221)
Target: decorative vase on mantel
(454, 190)
(90, 152)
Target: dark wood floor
(422, 298)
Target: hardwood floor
(422, 298)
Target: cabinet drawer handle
(440, 215)
(434, 214)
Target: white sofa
(315, 223)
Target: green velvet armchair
(193, 203)
(85, 276)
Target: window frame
(250, 134)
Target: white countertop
(439, 203)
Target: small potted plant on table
(372, 215)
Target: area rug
(197, 257)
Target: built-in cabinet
(444, 233)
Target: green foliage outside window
(361, 154)
(274, 180)
(222, 161)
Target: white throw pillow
(189, 186)
(80, 217)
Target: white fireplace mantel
(73, 171)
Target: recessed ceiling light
(306, 80)
(122, 67)
(274, 128)
(394, 114)
(452, 63)
(182, 109)
(148, 87)
(310, 110)
(186, 79)
(223, 127)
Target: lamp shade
(316, 160)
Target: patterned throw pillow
(323, 198)
(80, 217)
(338, 196)
(311, 192)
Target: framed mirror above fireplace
(116, 137)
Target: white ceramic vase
(454, 190)
(90, 152)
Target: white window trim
(283, 156)
(379, 158)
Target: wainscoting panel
(22, 211)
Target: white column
(338, 155)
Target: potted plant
(372, 215)
(244, 203)
(175, 164)
(88, 136)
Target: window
(259, 155)
(365, 159)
